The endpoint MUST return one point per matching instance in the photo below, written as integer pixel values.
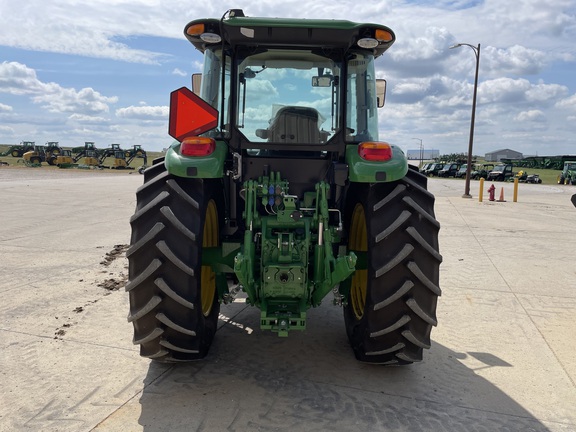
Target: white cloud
(6, 130)
(569, 102)
(531, 116)
(508, 90)
(546, 93)
(516, 60)
(429, 45)
(197, 67)
(87, 101)
(262, 90)
(5, 108)
(81, 118)
(144, 112)
(91, 29)
(18, 79)
(179, 72)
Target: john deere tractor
(278, 188)
(568, 174)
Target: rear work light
(375, 151)
(197, 146)
(368, 43)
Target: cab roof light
(374, 37)
(205, 34)
(210, 37)
(197, 146)
(195, 30)
(384, 36)
(375, 151)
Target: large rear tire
(392, 303)
(173, 298)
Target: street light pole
(421, 153)
(471, 142)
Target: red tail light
(375, 151)
(197, 146)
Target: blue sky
(103, 70)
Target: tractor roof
(298, 33)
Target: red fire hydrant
(491, 192)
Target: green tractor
(568, 174)
(19, 150)
(278, 187)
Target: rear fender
(363, 171)
(211, 166)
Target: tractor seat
(295, 124)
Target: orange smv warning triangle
(190, 115)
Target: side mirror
(196, 83)
(262, 133)
(573, 199)
(249, 73)
(322, 81)
(380, 92)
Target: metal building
(424, 154)
(498, 155)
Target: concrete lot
(503, 354)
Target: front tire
(392, 303)
(173, 298)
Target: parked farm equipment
(42, 153)
(501, 172)
(433, 169)
(524, 177)
(64, 159)
(450, 169)
(568, 174)
(19, 150)
(89, 152)
(123, 158)
(137, 152)
(481, 171)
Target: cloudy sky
(102, 70)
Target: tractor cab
(316, 93)
(297, 96)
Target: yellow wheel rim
(358, 241)
(207, 276)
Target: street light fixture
(471, 142)
(421, 153)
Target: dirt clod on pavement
(116, 252)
